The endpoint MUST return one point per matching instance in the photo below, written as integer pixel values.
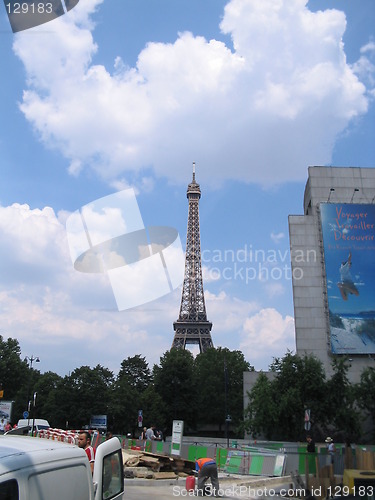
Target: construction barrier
(272, 460)
(255, 463)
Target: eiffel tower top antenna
(192, 326)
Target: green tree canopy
(298, 383)
(13, 371)
(89, 394)
(133, 380)
(344, 418)
(219, 379)
(261, 411)
(137, 372)
(47, 401)
(365, 394)
(175, 383)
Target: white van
(40, 469)
(38, 423)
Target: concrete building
(333, 267)
(333, 317)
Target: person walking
(207, 469)
(331, 448)
(150, 434)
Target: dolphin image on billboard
(349, 244)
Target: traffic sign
(25, 414)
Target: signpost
(98, 422)
(177, 434)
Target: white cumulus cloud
(285, 82)
(267, 334)
(53, 310)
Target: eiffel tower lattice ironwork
(192, 326)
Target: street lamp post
(34, 405)
(228, 418)
(30, 360)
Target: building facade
(332, 249)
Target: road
(157, 491)
(166, 489)
(160, 492)
(137, 492)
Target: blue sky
(118, 94)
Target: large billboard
(5, 410)
(349, 256)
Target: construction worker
(207, 469)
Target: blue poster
(349, 256)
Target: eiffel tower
(192, 326)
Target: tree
(299, 384)
(174, 382)
(89, 394)
(277, 406)
(47, 401)
(154, 409)
(365, 394)
(13, 371)
(219, 380)
(343, 415)
(132, 381)
(261, 411)
(137, 372)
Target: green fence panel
(234, 465)
(301, 459)
(197, 452)
(221, 457)
(310, 461)
(256, 465)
